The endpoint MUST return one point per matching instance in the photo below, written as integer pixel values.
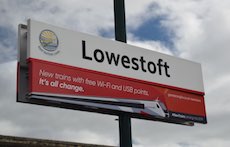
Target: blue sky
(8, 38)
(196, 30)
(153, 30)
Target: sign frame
(24, 96)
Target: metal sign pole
(119, 19)
(125, 131)
(120, 35)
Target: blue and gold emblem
(49, 41)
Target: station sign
(63, 68)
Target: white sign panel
(117, 58)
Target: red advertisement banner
(48, 78)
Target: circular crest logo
(49, 42)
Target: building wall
(11, 141)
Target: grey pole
(119, 18)
(120, 35)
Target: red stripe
(120, 77)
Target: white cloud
(89, 136)
(73, 14)
(151, 45)
(137, 12)
(8, 127)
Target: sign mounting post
(125, 133)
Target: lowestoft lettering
(134, 63)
